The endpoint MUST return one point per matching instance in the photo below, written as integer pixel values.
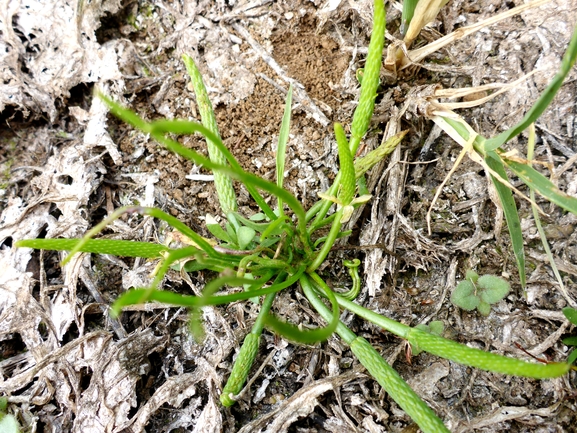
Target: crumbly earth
(66, 164)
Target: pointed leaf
(544, 100)
(511, 215)
(543, 186)
(572, 357)
(216, 230)
(570, 341)
(283, 139)
(571, 315)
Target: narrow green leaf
(310, 336)
(231, 232)
(511, 215)
(160, 127)
(172, 257)
(282, 142)
(542, 185)
(125, 114)
(253, 224)
(572, 357)
(407, 14)
(537, 218)
(544, 100)
(570, 341)
(99, 246)
(275, 228)
(140, 296)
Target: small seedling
(571, 315)
(436, 327)
(479, 292)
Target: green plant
(474, 292)
(276, 249)
(8, 423)
(571, 315)
(488, 153)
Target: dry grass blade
(403, 61)
(463, 92)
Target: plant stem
(326, 248)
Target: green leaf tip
(570, 314)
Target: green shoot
(282, 142)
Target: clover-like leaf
(472, 276)
(465, 296)
(484, 308)
(492, 288)
(436, 327)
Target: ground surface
(66, 164)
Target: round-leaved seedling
(479, 292)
